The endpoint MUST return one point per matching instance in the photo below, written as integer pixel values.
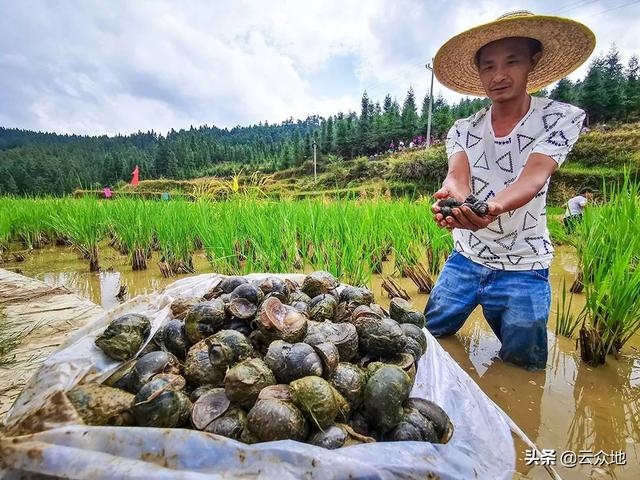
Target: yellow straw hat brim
(566, 44)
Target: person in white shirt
(575, 208)
(504, 155)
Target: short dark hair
(535, 46)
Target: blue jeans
(515, 304)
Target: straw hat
(566, 44)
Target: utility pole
(315, 175)
(430, 67)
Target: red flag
(134, 178)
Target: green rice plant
(28, 220)
(608, 247)
(5, 228)
(84, 223)
(216, 227)
(132, 222)
(557, 231)
(566, 322)
(175, 233)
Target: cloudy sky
(107, 67)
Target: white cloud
(119, 66)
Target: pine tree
(442, 118)
(364, 124)
(327, 145)
(424, 115)
(298, 152)
(613, 84)
(632, 90)
(342, 135)
(563, 91)
(409, 118)
(323, 138)
(592, 93)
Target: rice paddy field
(587, 399)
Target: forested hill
(34, 163)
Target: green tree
(632, 89)
(442, 118)
(563, 91)
(409, 118)
(364, 125)
(613, 83)
(592, 93)
(342, 135)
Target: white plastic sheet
(481, 446)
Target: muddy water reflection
(570, 406)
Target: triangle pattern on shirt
(540, 193)
(473, 240)
(546, 246)
(482, 162)
(508, 241)
(491, 194)
(511, 212)
(499, 230)
(536, 244)
(521, 143)
(551, 119)
(502, 163)
(475, 140)
(459, 246)
(558, 139)
(486, 254)
(514, 259)
(475, 183)
(529, 222)
(537, 266)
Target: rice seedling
(132, 222)
(216, 227)
(609, 251)
(566, 322)
(84, 222)
(28, 220)
(175, 232)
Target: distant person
(401, 146)
(505, 155)
(392, 147)
(411, 144)
(575, 208)
(165, 196)
(106, 191)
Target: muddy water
(568, 407)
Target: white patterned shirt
(516, 240)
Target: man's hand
(441, 194)
(464, 217)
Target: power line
(611, 9)
(572, 6)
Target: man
(505, 155)
(575, 208)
